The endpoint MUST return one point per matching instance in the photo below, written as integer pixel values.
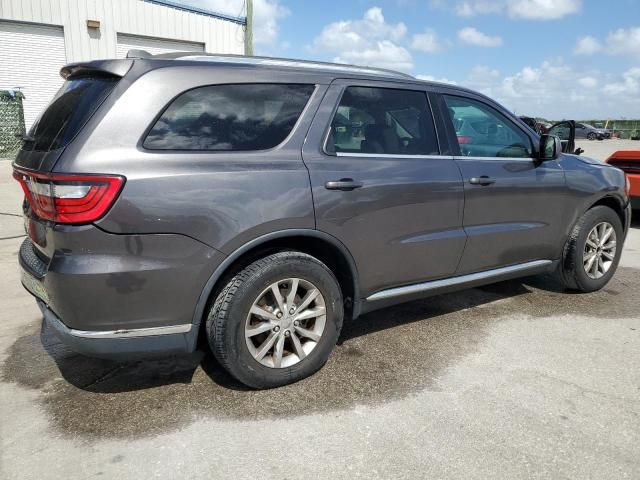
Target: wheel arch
(320, 245)
(614, 203)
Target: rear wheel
(277, 320)
(593, 250)
(591, 136)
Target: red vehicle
(629, 162)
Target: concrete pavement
(514, 380)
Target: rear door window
(67, 113)
(382, 121)
(230, 117)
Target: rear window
(229, 118)
(67, 113)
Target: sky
(556, 59)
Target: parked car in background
(255, 203)
(629, 162)
(584, 130)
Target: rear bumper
(121, 344)
(116, 296)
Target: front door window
(482, 131)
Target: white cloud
(624, 42)
(628, 87)
(426, 42)
(367, 41)
(588, 82)
(543, 9)
(478, 7)
(384, 54)
(266, 15)
(557, 90)
(471, 36)
(587, 46)
(524, 9)
(431, 78)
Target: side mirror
(550, 147)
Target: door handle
(344, 184)
(483, 180)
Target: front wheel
(592, 136)
(277, 320)
(593, 250)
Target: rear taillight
(69, 198)
(627, 185)
(464, 139)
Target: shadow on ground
(381, 356)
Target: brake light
(627, 185)
(464, 139)
(69, 198)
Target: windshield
(67, 113)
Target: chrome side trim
(506, 159)
(134, 332)
(462, 279)
(123, 333)
(386, 155)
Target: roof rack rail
(284, 62)
(135, 53)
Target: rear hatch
(82, 93)
(69, 199)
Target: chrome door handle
(483, 180)
(344, 184)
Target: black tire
(572, 271)
(227, 317)
(591, 136)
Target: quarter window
(229, 118)
(482, 131)
(382, 121)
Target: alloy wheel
(599, 250)
(285, 323)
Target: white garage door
(30, 59)
(154, 45)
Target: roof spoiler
(135, 53)
(108, 68)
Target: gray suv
(256, 203)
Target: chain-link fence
(625, 129)
(11, 122)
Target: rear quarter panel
(222, 199)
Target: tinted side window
(230, 117)
(383, 121)
(482, 131)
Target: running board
(457, 281)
